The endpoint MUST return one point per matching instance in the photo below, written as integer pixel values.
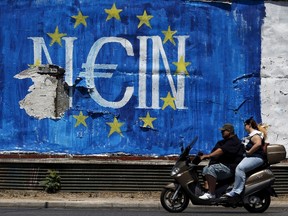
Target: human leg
(211, 181)
(246, 165)
(204, 173)
(213, 173)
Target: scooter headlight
(175, 171)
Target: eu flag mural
(133, 77)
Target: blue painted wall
(189, 66)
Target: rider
(254, 156)
(224, 158)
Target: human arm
(218, 152)
(257, 142)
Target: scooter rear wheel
(175, 205)
(258, 202)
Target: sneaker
(207, 196)
(229, 195)
(225, 197)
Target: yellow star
(80, 119)
(36, 64)
(80, 19)
(169, 35)
(181, 66)
(144, 19)
(168, 101)
(148, 120)
(113, 13)
(56, 37)
(115, 127)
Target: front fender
(171, 185)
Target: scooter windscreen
(186, 151)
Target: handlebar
(197, 158)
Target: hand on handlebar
(197, 159)
(203, 157)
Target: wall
(140, 78)
(274, 67)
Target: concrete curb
(80, 203)
(99, 204)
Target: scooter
(187, 185)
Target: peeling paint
(239, 107)
(245, 76)
(47, 97)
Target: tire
(177, 205)
(258, 202)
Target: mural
(133, 77)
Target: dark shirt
(233, 151)
(259, 152)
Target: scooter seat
(262, 167)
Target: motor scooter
(187, 185)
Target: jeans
(218, 171)
(246, 165)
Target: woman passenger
(254, 157)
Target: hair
(252, 122)
(261, 127)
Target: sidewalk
(40, 199)
(34, 199)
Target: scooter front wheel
(172, 202)
(258, 202)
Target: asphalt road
(195, 211)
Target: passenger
(225, 156)
(254, 156)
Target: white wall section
(274, 72)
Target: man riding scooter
(187, 186)
(224, 158)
